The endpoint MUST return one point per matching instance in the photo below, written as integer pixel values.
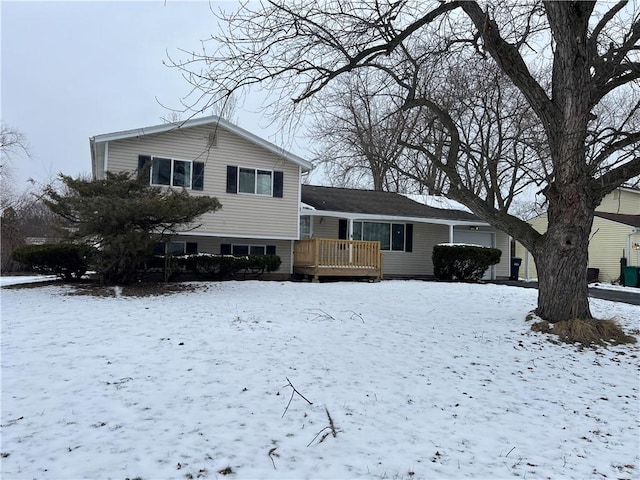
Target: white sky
(71, 70)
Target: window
(305, 227)
(390, 235)
(173, 173)
(175, 248)
(248, 250)
(245, 249)
(254, 181)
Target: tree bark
(562, 258)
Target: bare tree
(296, 49)
(359, 128)
(12, 143)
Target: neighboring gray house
(407, 230)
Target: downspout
(106, 158)
(629, 249)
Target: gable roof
(370, 202)
(631, 220)
(212, 120)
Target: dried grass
(588, 333)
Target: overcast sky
(72, 70)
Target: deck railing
(324, 253)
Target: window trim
(255, 181)
(172, 176)
(391, 224)
(310, 232)
(186, 246)
(233, 181)
(249, 247)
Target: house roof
(369, 202)
(631, 220)
(212, 120)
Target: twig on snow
(272, 453)
(319, 313)
(332, 430)
(293, 392)
(355, 315)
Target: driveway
(630, 295)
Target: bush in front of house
(463, 262)
(68, 261)
(220, 267)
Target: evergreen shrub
(463, 262)
(220, 267)
(68, 261)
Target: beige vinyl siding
(425, 237)
(503, 243)
(621, 201)
(241, 214)
(212, 245)
(324, 227)
(607, 242)
(418, 262)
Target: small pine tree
(123, 217)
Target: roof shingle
(372, 202)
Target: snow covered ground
(421, 380)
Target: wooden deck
(322, 257)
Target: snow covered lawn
(421, 380)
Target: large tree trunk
(562, 257)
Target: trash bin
(515, 268)
(592, 275)
(632, 276)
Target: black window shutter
(144, 162)
(278, 187)
(232, 179)
(271, 250)
(198, 176)
(408, 237)
(191, 248)
(343, 226)
(225, 249)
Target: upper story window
(254, 181)
(172, 172)
(251, 180)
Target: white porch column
(450, 233)
(350, 237)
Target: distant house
(266, 209)
(407, 230)
(615, 234)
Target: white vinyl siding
(253, 216)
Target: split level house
(615, 234)
(266, 209)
